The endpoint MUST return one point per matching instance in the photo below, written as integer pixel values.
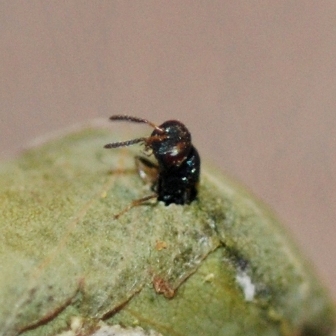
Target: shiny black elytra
(175, 178)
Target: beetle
(175, 177)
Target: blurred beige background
(255, 81)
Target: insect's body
(176, 176)
(178, 184)
(178, 164)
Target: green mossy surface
(209, 303)
(62, 254)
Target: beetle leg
(134, 204)
(147, 170)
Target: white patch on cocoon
(244, 281)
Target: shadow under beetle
(175, 177)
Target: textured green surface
(62, 254)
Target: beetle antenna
(124, 143)
(154, 138)
(135, 119)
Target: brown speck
(161, 286)
(160, 245)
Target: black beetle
(175, 178)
